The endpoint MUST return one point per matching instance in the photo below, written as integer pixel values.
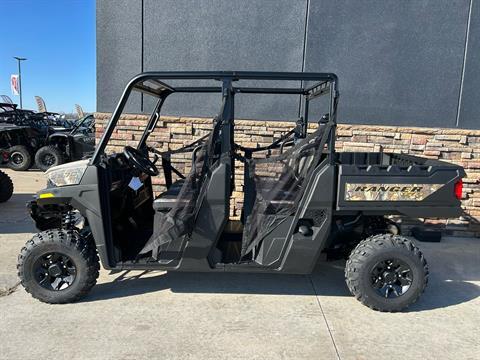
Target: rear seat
(281, 198)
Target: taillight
(458, 188)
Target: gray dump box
(382, 183)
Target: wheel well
(349, 230)
(57, 216)
(59, 142)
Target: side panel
(85, 197)
(286, 250)
(316, 208)
(413, 191)
(209, 225)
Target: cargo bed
(384, 184)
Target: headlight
(67, 174)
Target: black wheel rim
(17, 158)
(55, 271)
(48, 159)
(391, 278)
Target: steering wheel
(140, 161)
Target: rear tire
(20, 158)
(6, 187)
(48, 156)
(386, 272)
(58, 266)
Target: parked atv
(23, 132)
(299, 195)
(21, 143)
(64, 147)
(9, 112)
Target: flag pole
(20, 59)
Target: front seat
(166, 200)
(184, 191)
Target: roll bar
(153, 83)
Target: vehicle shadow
(442, 293)
(473, 225)
(14, 217)
(129, 283)
(454, 273)
(448, 285)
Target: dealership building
(409, 74)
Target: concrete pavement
(156, 315)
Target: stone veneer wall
(453, 145)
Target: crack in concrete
(10, 290)
(324, 317)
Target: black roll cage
(152, 83)
(79, 124)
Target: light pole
(20, 59)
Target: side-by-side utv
(21, 142)
(65, 146)
(301, 199)
(23, 132)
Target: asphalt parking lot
(156, 315)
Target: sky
(58, 39)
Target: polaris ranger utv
(301, 198)
(21, 142)
(68, 146)
(23, 132)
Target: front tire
(386, 272)
(20, 158)
(58, 266)
(48, 156)
(6, 187)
